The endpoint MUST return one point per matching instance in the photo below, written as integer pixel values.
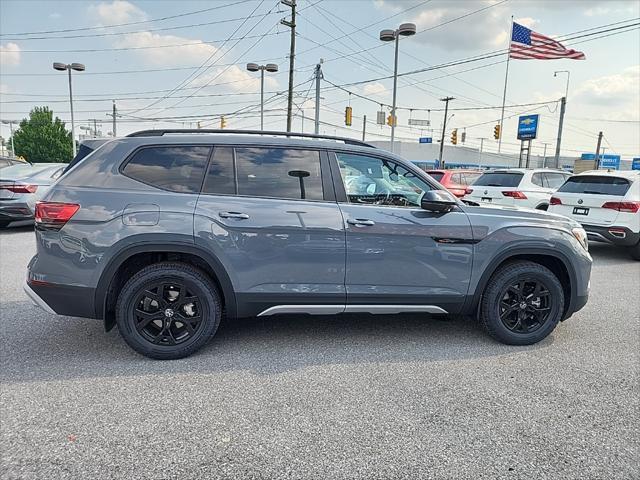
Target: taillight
(468, 191)
(515, 194)
(54, 215)
(555, 201)
(18, 187)
(626, 207)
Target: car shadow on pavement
(47, 347)
(603, 253)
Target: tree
(43, 139)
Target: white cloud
(621, 89)
(9, 54)
(236, 79)
(375, 88)
(116, 12)
(196, 52)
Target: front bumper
(616, 235)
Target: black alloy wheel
(525, 306)
(167, 313)
(168, 310)
(522, 303)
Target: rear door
(583, 197)
(489, 188)
(270, 217)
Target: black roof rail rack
(165, 131)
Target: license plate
(580, 211)
(486, 199)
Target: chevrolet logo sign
(527, 121)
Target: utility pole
(292, 54)
(364, 126)
(113, 114)
(446, 101)
(318, 74)
(598, 150)
(482, 139)
(563, 102)
(544, 154)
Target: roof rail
(165, 131)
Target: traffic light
(391, 120)
(348, 116)
(496, 132)
(454, 136)
(223, 123)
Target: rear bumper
(621, 235)
(12, 212)
(62, 299)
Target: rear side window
(175, 168)
(499, 179)
(220, 178)
(554, 180)
(469, 178)
(596, 185)
(279, 173)
(536, 179)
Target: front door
(270, 217)
(398, 253)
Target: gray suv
(165, 232)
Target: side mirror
(439, 201)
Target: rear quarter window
(596, 185)
(499, 179)
(174, 168)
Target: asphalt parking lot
(310, 397)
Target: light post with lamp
(269, 67)
(78, 67)
(388, 35)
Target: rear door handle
(238, 215)
(360, 222)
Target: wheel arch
(554, 260)
(134, 257)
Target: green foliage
(43, 139)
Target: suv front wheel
(522, 303)
(168, 310)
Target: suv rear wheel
(168, 310)
(522, 303)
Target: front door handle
(360, 222)
(238, 215)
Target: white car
(606, 203)
(516, 187)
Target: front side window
(376, 181)
(174, 168)
(220, 177)
(279, 173)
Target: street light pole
(10, 123)
(405, 30)
(79, 67)
(269, 67)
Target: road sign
(418, 122)
(606, 161)
(528, 127)
(425, 140)
(635, 163)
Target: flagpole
(506, 78)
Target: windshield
(499, 179)
(596, 185)
(437, 176)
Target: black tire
(502, 313)
(635, 251)
(168, 310)
(544, 207)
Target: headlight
(581, 236)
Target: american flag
(527, 44)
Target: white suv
(516, 187)
(606, 203)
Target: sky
(173, 72)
